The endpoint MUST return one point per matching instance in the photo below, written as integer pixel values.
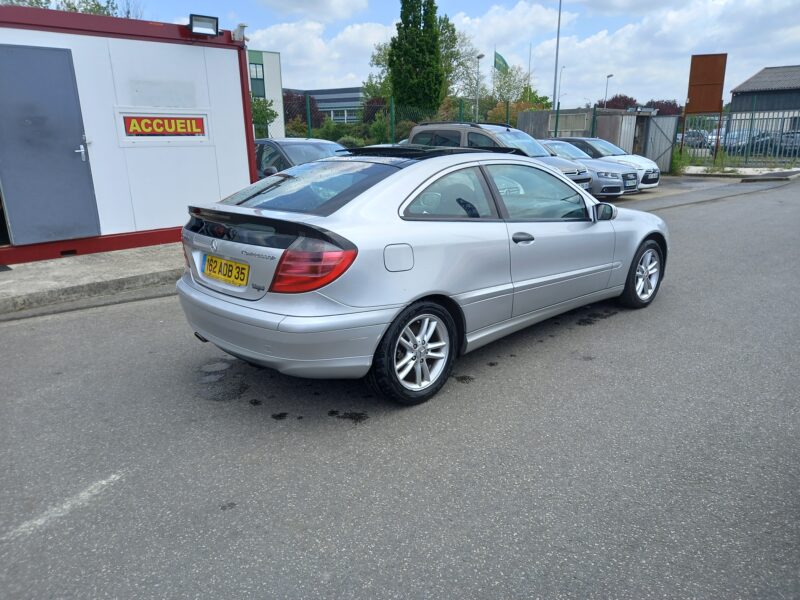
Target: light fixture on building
(204, 25)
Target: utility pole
(555, 70)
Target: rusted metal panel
(706, 80)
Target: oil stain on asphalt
(355, 417)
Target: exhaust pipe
(200, 337)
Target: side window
(458, 195)
(533, 195)
(438, 137)
(270, 157)
(478, 140)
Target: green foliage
(28, 3)
(415, 69)
(129, 9)
(531, 96)
(296, 127)
(330, 130)
(680, 161)
(348, 141)
(263, 115)
(511, 84)
(92, 7)
(379, 130)
(498, 113)
(378, 85)
(402, 129)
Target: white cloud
(318, 10)
(310, 59)
(648, 52)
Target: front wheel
(415, 357)
(644, 276)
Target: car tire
(415, 357)
(644, 276)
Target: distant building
(771, 89)
(265, 82)
(341, 105)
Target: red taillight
(308, 264)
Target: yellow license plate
(228, 271)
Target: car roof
(416, 152)
(295, 140)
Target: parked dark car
(278, 154)
(695, 138)
(790, 144)
(758, 144)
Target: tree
(665, 107)
(532, 97)
(128, 9)
(263, 115)
(378, 85)
(511, 84)
(457, 57)
(294, 106)
(28, 3)
(373, 106)
(91, 7)
(498, 113)
(620, 101)
(415, 69)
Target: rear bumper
(335, 347)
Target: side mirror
(604, 212)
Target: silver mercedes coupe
(393, 261)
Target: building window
(256, 71)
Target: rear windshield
(317, 188)
(521, 140)
(607, 148)
(303, 152)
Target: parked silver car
(392, 262)
(609, 179)
(487, 136)
(647, 170)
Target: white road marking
(28, 527)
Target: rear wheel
(644, 276)
(415, 357)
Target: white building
(112, 127)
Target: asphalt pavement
(605, 453)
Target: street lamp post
(477, 82)
(605, 97)
(561, 81)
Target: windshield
(303, 152)
(521, 140)
(606, 148)
(316, 188)
(565, 150)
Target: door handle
(522, 238)
(82, 151)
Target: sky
(646, 45)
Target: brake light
(308, 264)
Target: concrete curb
(787, 176)
(23, 302)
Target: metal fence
(378, 121)
(741, 139)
